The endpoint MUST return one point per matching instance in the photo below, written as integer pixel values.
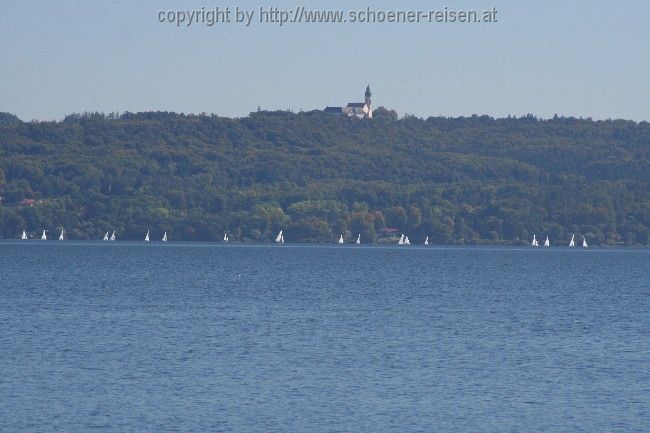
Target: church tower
(368, 102)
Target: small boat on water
(573, 241)
(358, 239)
(401, 240)
(341, 239)
(112, 238)
(225, 237)
(146, 237)
(406, 241)
(547, 243)
(61, 235)
(279, 238)
(105, 237)
(43, 236)
(584, 242)
(164, 238)
(426, 241)
(534, 243)
(23, 236)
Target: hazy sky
(580, 58)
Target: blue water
(177, 337)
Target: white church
(362, 110)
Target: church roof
(357, 104)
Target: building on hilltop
(362, 110)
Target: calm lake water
(200, 337)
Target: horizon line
(401, 116)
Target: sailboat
(225, 237)
(279, 238)
(584, 242)
(146, 237)
(573, 241)
(106, 236)
(341, 239)
(534, 243)
(547, 243)
(426, 241)
(113, 236)
(406, 241)
(24, 235)
(43, 236)
(61, 235)
(401, 240)
(358, 239)
(164, 239)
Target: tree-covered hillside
(316, 175)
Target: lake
(118, 337)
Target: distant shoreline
(37, 242)
(316, 175)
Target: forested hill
(316, 175)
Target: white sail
(146, 237)
(426, 241)
(279, 238)
(341, 239)
(106, 236)
(282, 239)
(43, 236)
(534, 242)
(61, 235)
(24, 235)
(573, 241)
(164, 239)
(406, 241)
(584, 242)
(358, 239)
(113, 236)
(225, 237)
(401, 240)
(547, 243)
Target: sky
(572, 58)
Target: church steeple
(368, 102)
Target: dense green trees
(315, 175)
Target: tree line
(314, 175)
